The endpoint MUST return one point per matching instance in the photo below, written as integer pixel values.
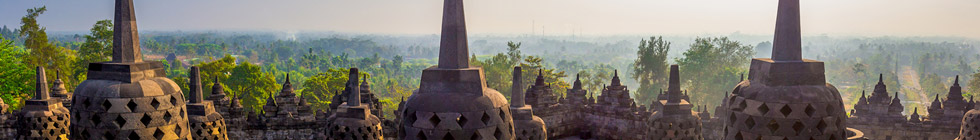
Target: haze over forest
(918, 46)
(550, 17)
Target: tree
(650, 68)
(17, 76)
(44, 53)
(974, 84)
(712, 66)
(219, 69)
(252, 85)
(321, 88)
(97, 48)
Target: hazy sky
(553, 17)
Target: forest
(252, 65)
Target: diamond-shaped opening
(411, 117)
(448, 137)
(173, 100)
(732, 118)
(485, 118)
(108, 136)
(167, 116)
(120, 121)
(131, 105)
(798, 126)
(738, 136)
(134, 136)
(810, 110)
(86, 103)
(159, 134)
(421, 136)
(763, 108)
(106, 104)
(786, 110)
(830, 109)
(476, 136)
(461, 120)
(146, 120)
(177, 130)
(498, 134)
(503, 115)
(749, 123)
(773, 126)
(434, 120)
(96, 120)
(822, 126)
(85, 134)
(741, 106)
(155, 103)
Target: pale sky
(553, 17)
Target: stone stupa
(453, 100)
(205, 122)
(353, 120)
(786, 97)
(128, 98)
(42, 117)
(674, 118)
(527, 126)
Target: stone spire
(41, 117)
(787, 40)
(197, 95)
(58, 87)
(453, 47)
(955, 91)
(125, 39)
(880, 93)
(863, 99)
(200, 113)
(127, 78)
(287, 87)
(539, 81)
(578, 82)
(615, 79)
(517, 94)
(786, 79)
(936, 103)
(915, 116)
(454, 87)
(271, 102)
(217, 89)
(41, 86)
(354, 98)
(674, 86)
(365, 87)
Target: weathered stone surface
(206, 123)
(42, 117)
(353, 120)
(128, 98)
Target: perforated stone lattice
(213, 130)
(43, 127)
(970, 129)
(494, 124)
(99, 114)
(755, 119)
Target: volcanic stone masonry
(526, 125)
(128, 98)
(42, 117)
(785, 97)
(205, 123)
(453, 100)
(353, 120)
